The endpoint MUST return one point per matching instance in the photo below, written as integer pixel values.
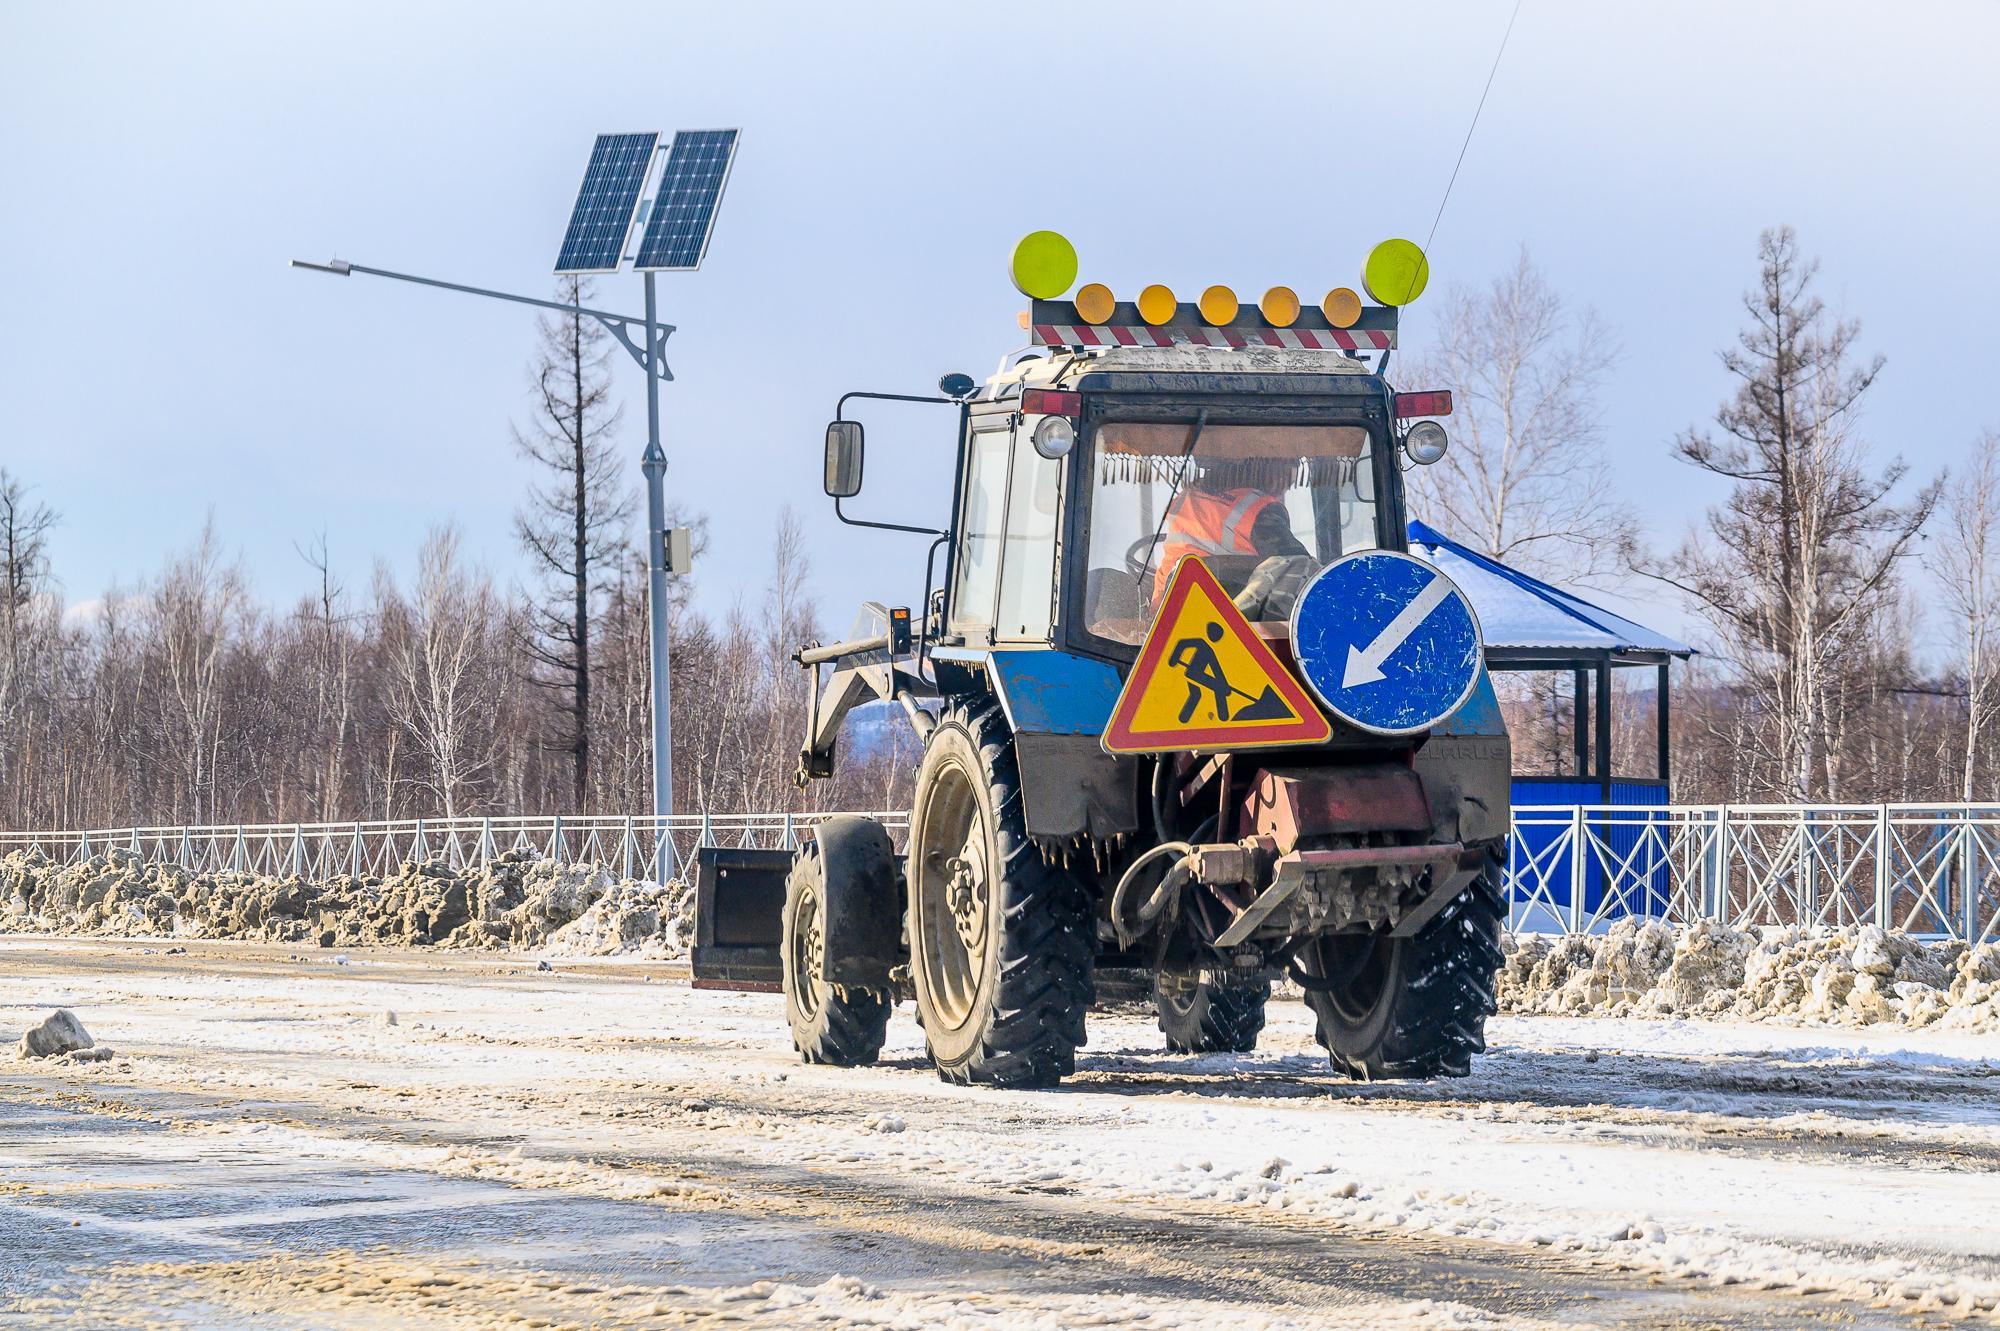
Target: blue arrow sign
(1387, 642)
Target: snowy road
(602, 1146)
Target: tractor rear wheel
(1416, 1006)
(1001, 941)
(833, 1024)
(1204, 1016)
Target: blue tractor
(1121, 774)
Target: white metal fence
(1929, 869)
(635, 847)
(1926, 868)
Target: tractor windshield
(1264, 505)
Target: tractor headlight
(1054, 436)
(1425, 443)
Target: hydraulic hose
(1131, 876)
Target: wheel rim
(953, 896)
(1364, 959)
(1176, 998)
(808, 944)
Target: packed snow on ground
(1828, 1164)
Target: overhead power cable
(1473, 126)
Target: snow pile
(515, 900)
(631, 918)
(1848, 977)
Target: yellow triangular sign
(1205, 681)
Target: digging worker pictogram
(1196, 659)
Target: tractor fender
(864, 903)
(1467, 766)
(1057, 704)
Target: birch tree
(437, 700)
(1525, 480)
(192, 612)
(1966, 562)
(24, 529)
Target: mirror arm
(930, 563)
(882, 526)
(839, 414)
(841, 406)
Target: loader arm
(871, 668)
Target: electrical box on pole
(677, 550)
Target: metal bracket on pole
(653, 360)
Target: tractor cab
(1090, 474)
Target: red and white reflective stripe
(1145, 335)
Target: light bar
(1058, 323)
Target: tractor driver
(1234, 507)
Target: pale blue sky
(159, 164)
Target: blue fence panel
(1630, 842)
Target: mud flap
(739, 905)
(864, 902)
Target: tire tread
(1446, 992)
(1045, 986)
(1221, 1019)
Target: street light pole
(653, 463)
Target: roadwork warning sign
(1205, 680)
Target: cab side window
(977, 576)
(1028, 573)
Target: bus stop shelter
(1530, 625)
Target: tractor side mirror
(843, 459)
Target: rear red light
(1436, 402)
(1050, 402)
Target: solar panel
(684, 210)
(602, 218)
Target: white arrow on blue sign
(1387, 642)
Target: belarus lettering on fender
(1205, 681)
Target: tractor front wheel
(1001, 941)
(830, 1023)
(1204, 1016)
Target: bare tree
(24, 565)
(1966, 563)
(330, 646)
(1525, 480)
(442, 634)
(186, 700)
(573, 521)
(24, 552)
(1802, 554)
(788, 622)
(192, 611)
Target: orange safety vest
(1203, 522)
